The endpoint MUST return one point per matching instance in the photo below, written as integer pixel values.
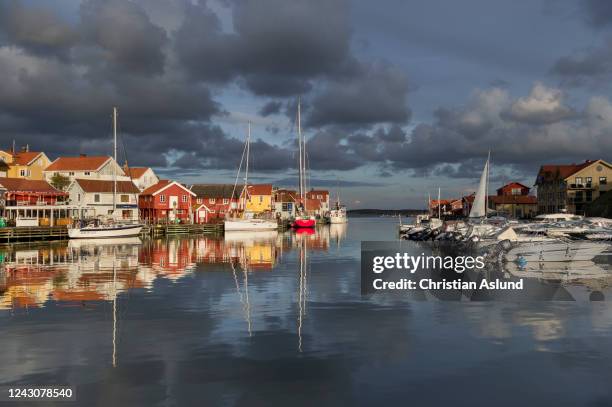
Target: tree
(60, 182)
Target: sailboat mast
(487, 185)
(439, 205)
(246, 169)
(301, 162)
(115, 159)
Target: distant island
(386, 212)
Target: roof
(285, 195)
(162, 185)
(318, 192)
(25, 157)
(83, 163)
(513, 199)
(28, 185)
(550, 172)
(215, 190)
(260, 189)
(513, 184)
(135, 172)
(434, 202)
(96, 185)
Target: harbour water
(279, 320)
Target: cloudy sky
(399, 97)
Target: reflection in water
(273, 316)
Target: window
(162, 198)
(260, 199)
(199, 200)
(86, 173)
(516, 191)
(184, 198)
(603, 180)
(22, 173)
(225, 201)
(588, 180)
(71, 173)
(212, 200)
(79, 197)
(97, 198)
(125, 198)
(578, 180)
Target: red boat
(304, 223)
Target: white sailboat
(101, 230)
(479, 207)
(247, 221)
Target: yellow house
(572, 187)
(259, 198)
(25, 164)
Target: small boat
(304, 222)
(247, 220)
(338, 214)
(96, 229)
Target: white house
(85, 167)
(143, 177)
(97, 196)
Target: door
(173, 202)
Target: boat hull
(244, 225)
(104, 232)
(304, 223)
(556, 251)
(338, 216)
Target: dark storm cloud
(37, 30)
(589, 67)
(374, 94)
(599, 12)
(270, 108)
(277, 46)
(123, 31)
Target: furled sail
(479, 208)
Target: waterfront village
(580, 189)
(37, 191)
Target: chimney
(82, 155)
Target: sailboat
(99, 230)
(247, 220)
(302, 219)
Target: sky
(399, 98)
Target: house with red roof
(213, 202)
(23, 164)
(34, 203)
(85, 167)
(571, 187)
(317, 202)
(513, 200)
(166, 201)
(285, 203)
(142, 177)
(105, 198)
(259, 198)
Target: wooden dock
(186, 229)
(32, 233)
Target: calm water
(279, 320)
